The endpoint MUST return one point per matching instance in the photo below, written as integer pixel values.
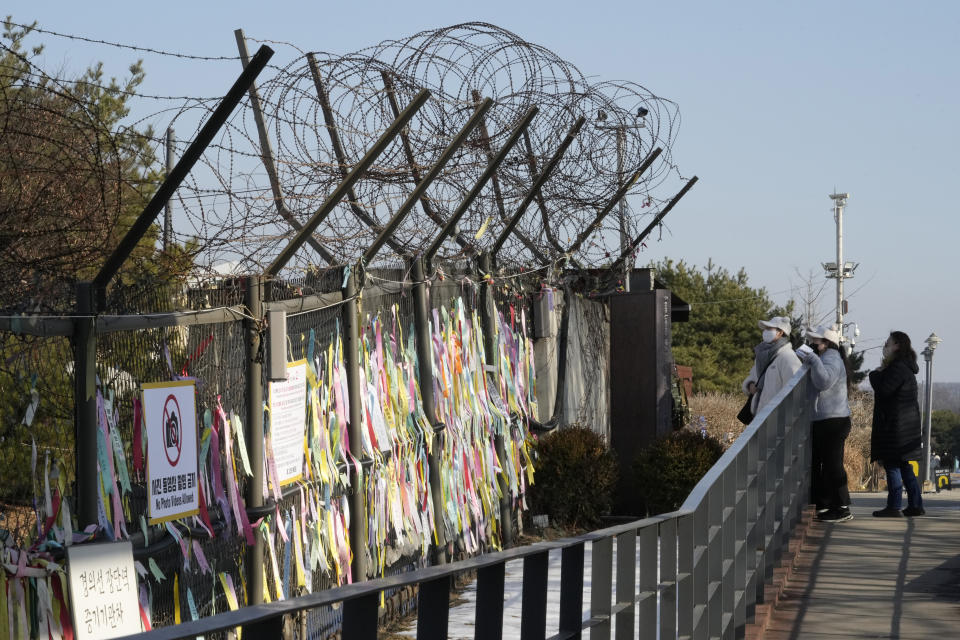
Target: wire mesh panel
(194, 567)
(454, 279)
(314, 280)
(307, 535)
(36, 431)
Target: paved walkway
(876, 577)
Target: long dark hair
(904, 349)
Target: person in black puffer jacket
(896, 437)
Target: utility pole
(839, 270)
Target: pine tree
(73, 178)
(718, 340)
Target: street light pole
(839, 200)
(840, 270)
(926, 458)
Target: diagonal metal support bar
(489, 172)
(541, 203)
(650, 227)
(266, 155)
(432, 174)
(338, 151)
(617, 197)
(347, 183)
(497, 192)
(172, 182)
(485, 143)
(541, 179)
(408, 151)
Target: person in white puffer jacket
(774, 359)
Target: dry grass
(717, 413)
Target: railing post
(601, 577)
(85, 403)
(424, 342)
(715, 535)
(647, 582)
(533, 615)
(433, 609)
(753, 525)
(781, 533)
(489, 610)
(626, 584)
(360, 617)
(669, 579)
(254, 437)
(740, 542)
(728, 545)
(358, 497)
(769, 439)
(686, 587)
(571, 591)
(701, 571)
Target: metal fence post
(421, 319)
(177, 175)
(266, 154)
(358, 498)
(85, 403)
(488, 317)
(254, 357)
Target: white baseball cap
(777, 322)
(826, 332)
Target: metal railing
(697, 572)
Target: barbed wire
(459, 65)
(119, 45)
(322, 112)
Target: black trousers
(829, 478)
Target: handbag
(746, 415)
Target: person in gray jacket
(774, 364)
(830, 422)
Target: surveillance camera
(642, 112)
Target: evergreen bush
(576, 478)
(669, 468)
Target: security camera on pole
(841, 270)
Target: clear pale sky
(780, 103)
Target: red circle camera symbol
(172, 430)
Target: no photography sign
(170, 419)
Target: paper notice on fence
(288, 421)
(170, 417)
(103, 590)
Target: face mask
(769, 335)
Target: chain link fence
(195, 566)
